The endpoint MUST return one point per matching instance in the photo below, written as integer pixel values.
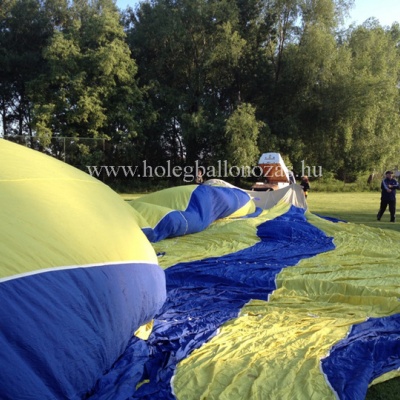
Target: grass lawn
(358, 208)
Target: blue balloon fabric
(377, 343)
(77, 277)
(206, 205)
(61, 329)
(195, 308)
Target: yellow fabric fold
(273, 349)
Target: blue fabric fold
(202, 295)
(374, 344)
(206, 205)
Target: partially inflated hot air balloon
(77, 277)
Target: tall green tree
(90, 88)
(334, 102)
(347, 101)
(25, 28)
(375, 115)
(192, 56)
(242, 130)
(172, 43)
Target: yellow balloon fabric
(77, 277)
(273, 350)
(39, 193)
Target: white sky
(386, 11)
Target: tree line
(205, 80)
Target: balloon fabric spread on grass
(265, 308)
(77, 277)
(278, 304)
(273, 350)
(204, 294)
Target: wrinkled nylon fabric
(274, 349)
(192, 209)
(222, 237)
(52, 212)
(216, 290)
(386, 377)
(292, 194)
(61, 329)
(329, 311)
(375, 342)
(77, 277)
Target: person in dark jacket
(305, 184)
(388, 197)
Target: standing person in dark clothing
(388, 197)
(305, 184)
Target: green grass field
(358, 208)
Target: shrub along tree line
(184, 80)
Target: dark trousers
(392, 209)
